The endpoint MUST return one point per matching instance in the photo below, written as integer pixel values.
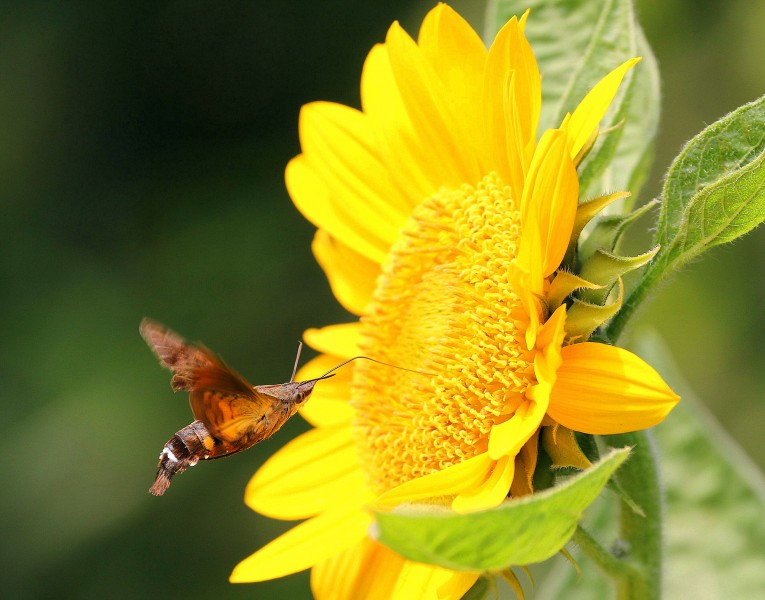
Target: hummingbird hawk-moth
(230, 414)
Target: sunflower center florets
(443, 305)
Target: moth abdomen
(183, 450)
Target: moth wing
(222, 399)
(229, 416)
(193, 366)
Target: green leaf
(599, 36)
(722, 148)
(713, 194)
(715, 509)
(518, 532)
(715, 189)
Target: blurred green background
(141, 163)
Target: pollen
(443, 305)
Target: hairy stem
(642, 535)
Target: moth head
(303, 389)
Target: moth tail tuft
(173, 459)
(161, 483)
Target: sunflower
(443, 223)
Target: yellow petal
(339, 144)
(512, 98)
(408, 159)
(316, 367)
(368, 570)
(338, 340)
(435, 119)
(328, 405)
(313, 198)
(428, 582)
(371, 571)
(311, 474)
(548, 208)
(351, 276)
(603, 389)
(329, 411)
(447, 482)
(593, 107)
(491, 492)
(341, 577)
(507, 438)
(303, 546)
(456, 586)
(457, 55)
(548, 343)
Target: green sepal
(608, 231)
(517, 532)
(562, 447)
(604, 269)
(565, 284)
(583, 318)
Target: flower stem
(646, 285)
(639, 478)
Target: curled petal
(583, 122)
(603, 389)
(548, 208)
(491, 492)
(507, 438)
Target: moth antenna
(297, 360)
(374, 360)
